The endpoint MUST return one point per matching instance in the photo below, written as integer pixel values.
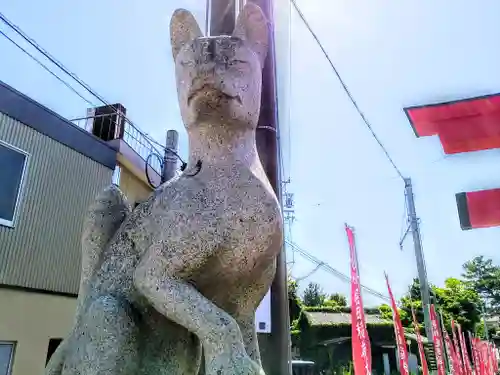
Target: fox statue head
(219, 78)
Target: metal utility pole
(485, 326)
(276, 356)
(279, 357)
(170, 159)
(419, 256)
(222, 17)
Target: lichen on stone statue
(186, 269)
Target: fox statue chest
(229, 212)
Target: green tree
(294, 303)
(458, 301)
(338, 299)
(313, 295)
(385, 312)
(293, 287)
(412, 299)
(484, 277)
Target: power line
(46, 68)
(320, 264)
(51, 58)
(356, 106)
(82, 83)
(309, 274)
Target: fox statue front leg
(177, 300)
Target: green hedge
(346, 310)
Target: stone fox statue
(187, 268)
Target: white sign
(263, 315)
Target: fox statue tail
(104, 217)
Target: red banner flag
(475, 355)
(361, 349)
(495, 358)
(421, 352)
(482, 357)
(456, 347)
(436, 337)
(485, 356)
(490, 358)
(452, 356)
(465, 355)
(399, 333)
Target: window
(12, 168)
(6, 357)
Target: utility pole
(170, 159)
(222, 17)
(277, 358)
(419, 255)
(485, 327)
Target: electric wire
(294, 247)
(51, 58)
(309, 274)
(351, 98)
(333, 271)
(46, 68)
(82, 83)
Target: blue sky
(391, 55)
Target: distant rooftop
(325, 319)
(332, 318)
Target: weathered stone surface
(187, 268)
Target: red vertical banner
(487, 367)
(456, 347)
(495, 358)
(465, 355)
(482, 357)
(361, 349)
(421, 352)
(490, 359)
(452, 355)
(486, 358)
(436, 338)
(399, 333)
(475, 355)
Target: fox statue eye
(187, 63)
(235, 62)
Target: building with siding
(50, 171)
(324, 337)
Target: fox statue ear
(183, 29)
(252, 26)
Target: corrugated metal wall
(43, 249)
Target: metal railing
(115, 126)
